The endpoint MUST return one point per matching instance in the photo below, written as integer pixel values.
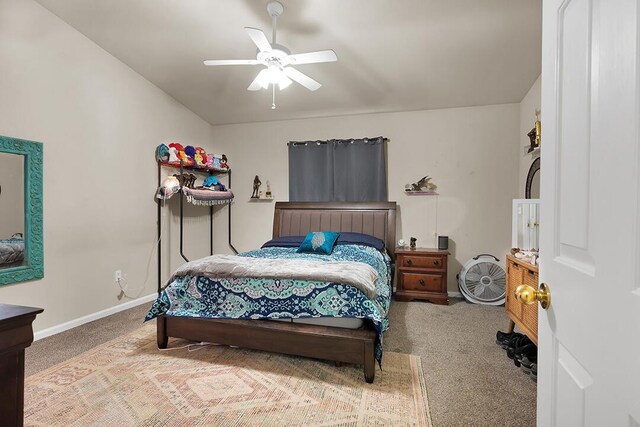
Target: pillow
(321, 242)
(284, 242)
(360, 239)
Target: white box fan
(483, 280)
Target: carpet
(129, 382)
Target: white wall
(99, 122)
(528, 106)
(11, 195)
(471, 154)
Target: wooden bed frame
(321, 342)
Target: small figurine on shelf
(223, 162)
(268, 194)
(412, 244)
(422, 185)
(256, 188)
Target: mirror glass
(12, 213)
(525, 228)
(535, 185)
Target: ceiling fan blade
(256, 84)
(258, 38)
(313, 57)
(212, 62)
(301, 78)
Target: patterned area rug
(129, 382)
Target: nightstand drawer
(431, 262)
(421, 282)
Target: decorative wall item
(423, 186)
(256, 188)
(31, 265)
(535, 134)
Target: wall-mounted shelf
(421, 193)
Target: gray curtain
(344, 170)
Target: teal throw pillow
(321, 242)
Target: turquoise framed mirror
(21, 250)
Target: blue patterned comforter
(251, 298)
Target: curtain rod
(296, 143)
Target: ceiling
(392, 56)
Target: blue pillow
(360, 239)
(321, 242)
(284, 242)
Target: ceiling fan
(277, 59)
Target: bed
(320, 335)
(12, 251)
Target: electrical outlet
(117, 276)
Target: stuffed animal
(202, 153)
(181, 154)
(190, 151)
(210, 181)
(198, 159)
(162, 153)
(173, 155)
(223, 162)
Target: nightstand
(422, 275)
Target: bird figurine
(422, 185)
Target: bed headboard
(377, 219)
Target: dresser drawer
(421, 282)
(431, 262)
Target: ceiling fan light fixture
(273, 75)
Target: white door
(589, 355)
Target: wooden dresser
(422, 275)
(16, 334)
(525, 316)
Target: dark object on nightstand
(16, 334)
(443, 243)
(413, 243)
(422, 275)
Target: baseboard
(454, 294)
(91, 317)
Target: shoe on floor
(515, 344)
(529, 350)
(534, 372)
(527, 362)
(503, 337)
(511, 342)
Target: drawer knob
(436, 262)
(409, 262)
(421, 281)
(528, 295)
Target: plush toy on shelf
(181, 154)
(190, 151)
(223, 162)
(200, 157)
(162, 153)
(173, 155)
(212, 183)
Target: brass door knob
(528, 295)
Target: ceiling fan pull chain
(273, 99)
